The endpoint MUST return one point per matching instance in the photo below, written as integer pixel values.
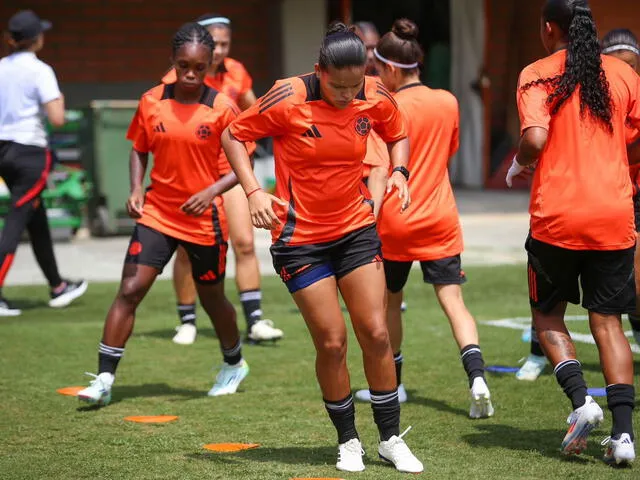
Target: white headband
(211, 21)
(621, 46)
(391, 62)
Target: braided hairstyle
(583, 66)
(192, 33)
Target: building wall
(515, 42)
(303, 26)
(117, 48)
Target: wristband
(253, 191)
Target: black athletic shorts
(154, 249)
(605, 276)
(302, 265)
(636, 210)
(445, 271)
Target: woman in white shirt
(28, 91)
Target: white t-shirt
(26, 84)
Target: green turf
(46, 435)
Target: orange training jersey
(232, 79)
(377, 154)
(430, 228)
(632, 135)
(185, 143)
(318, 152)
(581, 192)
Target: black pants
(25, 168)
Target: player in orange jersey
(180, 124)
(430, 232)
(574, 108)
(323, 228)
(230, 77)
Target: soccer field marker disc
(229, 447)
(151, 418)
(70, 391)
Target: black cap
(25, 25)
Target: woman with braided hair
(574, 106)
(180, 123)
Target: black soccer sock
(250, 300)
(536, 348)
(398, 359)
(343, 416)
(472, 361)
(108, 358)
(634, 320)
(569, 376)
(233, 356)
(621, 401)
(386, 413)
(187, 313)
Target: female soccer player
(180, 124)
(323, 228)
(29, 88)
(621, 44)
(574, 105)
(430, 232)
(230, 77)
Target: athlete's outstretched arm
(399, 156)
(532, 143)
(137, 167)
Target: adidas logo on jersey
(313, 132)
(159, 128)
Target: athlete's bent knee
(333, 349)
(244, 246)
(131, 292)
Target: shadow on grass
(325, 455)
(546, 442)
(148, 390)
(435, 404)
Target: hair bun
(405, 29)
(337, 27)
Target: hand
(514, 170)
(397, 180)
(134, 203)
(199, 202)
(261, 209)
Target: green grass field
(46, 435)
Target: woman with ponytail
(574, 106)
(323, 227)
(430, 232)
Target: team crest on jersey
(203, 132)
(363, 125)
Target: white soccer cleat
(99, 390)
(229, 379)
(263, 330)
(71, 291)
(186, 334)
(481, 406)
(581, 422)
(396, 452)
(620, 452)
(8, 310)
(532, 368)
(365, 395)
(350, 456)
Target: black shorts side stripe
(217, 228)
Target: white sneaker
(99, 390)
(581, 422)
(350, 456)
(621, 451)
(397, 452)
(7, 310)
(481, 406)
(532, 368)
(186, 334)
(229, 379)
(403, 306)
(365, 395)
(263, 330)
(71, 291)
